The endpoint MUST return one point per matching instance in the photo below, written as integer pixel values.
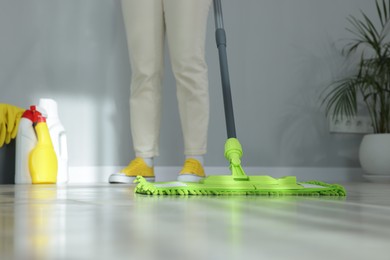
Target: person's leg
(186, 23)
(144, 23)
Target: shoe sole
(121, 178)
(189, 178)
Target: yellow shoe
(136, 167)
(192, 171)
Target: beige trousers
(183, 22)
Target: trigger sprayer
(35, 162)
(42, 161)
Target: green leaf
(381, 18)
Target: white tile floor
(111, 222)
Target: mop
(238, 183)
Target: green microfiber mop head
(239, 183)
(256, 185)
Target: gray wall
(282, 54)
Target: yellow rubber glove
(9, 122)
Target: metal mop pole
(220, 36)
(233, 149)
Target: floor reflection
(111, 222)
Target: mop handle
(220, 36)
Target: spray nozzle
(35, 114)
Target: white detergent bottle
(58, 137)
(26, 140)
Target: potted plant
(370, 85)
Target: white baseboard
(100, 174)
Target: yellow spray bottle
(42, 159)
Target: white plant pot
(374, 156)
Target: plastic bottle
(42, 159)
(58, 137)
(25, 142)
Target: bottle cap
(40, 119)
(50, 106)
(28, 115)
